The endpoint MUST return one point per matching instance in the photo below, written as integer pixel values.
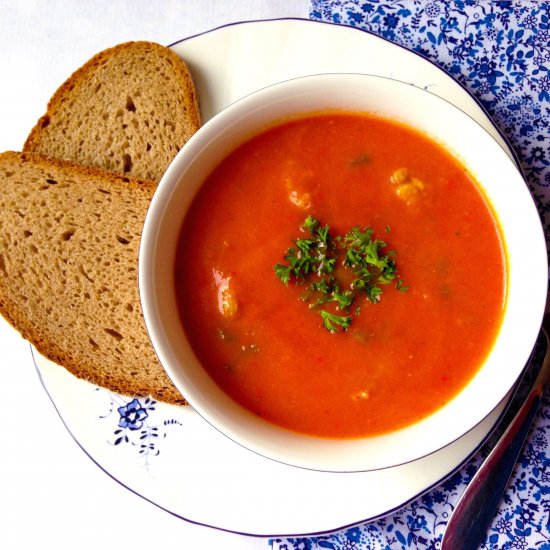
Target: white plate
(170, 456)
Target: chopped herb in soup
(341, 275)
(313, 262)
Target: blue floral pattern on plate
(135, 426)
(500, 51)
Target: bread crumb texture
(69, 241)
(129, 109)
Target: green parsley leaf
(399, 285)
(283, 272)
(311, 224)
(333, 323)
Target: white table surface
(51, 494)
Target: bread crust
(69, 244)
(129, 109)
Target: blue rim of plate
(391, 511)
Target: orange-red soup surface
(403, 357)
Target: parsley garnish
(310, 256)
(313, 260)
(331, 321)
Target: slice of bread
(69, 241)
(129, 109)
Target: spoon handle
(477, 506)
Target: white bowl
(493, 170)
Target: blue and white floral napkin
(500, 51)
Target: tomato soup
(389, 359)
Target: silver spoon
(477, 506)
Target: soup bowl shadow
(502, 184)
